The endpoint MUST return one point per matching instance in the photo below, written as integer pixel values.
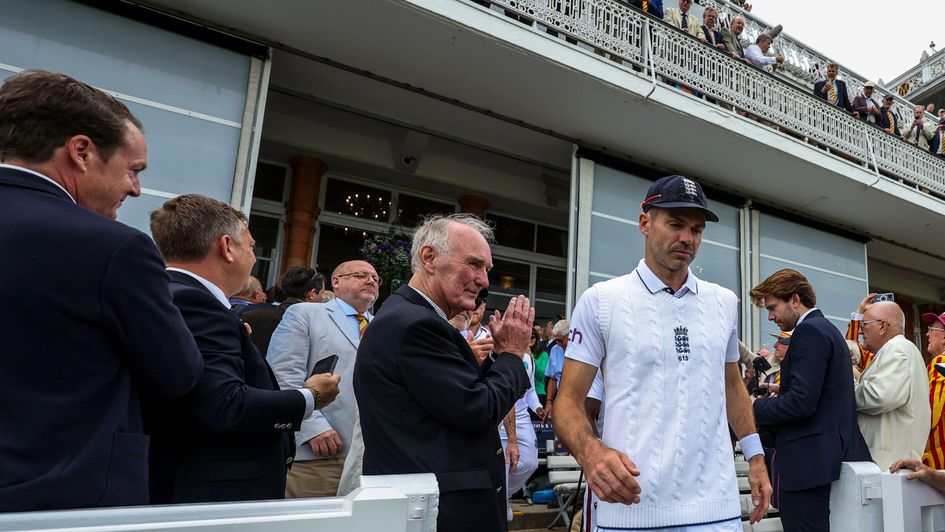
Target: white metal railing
(929, 70)
(619, 30)
(802, 64)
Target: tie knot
(359, 316)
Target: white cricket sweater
(664, 378)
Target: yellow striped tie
(941, 142)
(892, 124)
(777, 378)
(362, 324)
(646, 6)
(832, 93)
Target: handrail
(617, 29)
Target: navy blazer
(654, 7)
(89, 328)
(719, 38)
(814, 414)
(883, 122)
(427, 406)
(843, 99)
(231, 437)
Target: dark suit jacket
(231, 438)
(884, 121)
(89, 328)
(426, 406)
(815, 414)
(264, 321)
(654, 7)
(719, 38)
(843, 99)
(860, 106)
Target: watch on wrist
(316, 395)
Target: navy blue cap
(889, 97)
(677, 192)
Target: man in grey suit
(308, 333)
(732, 37)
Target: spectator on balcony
(937, 146)
(651, 7)
(757, 54)
(866, 106)
(680, 18)
(732, 37)
(888, 119)
(834, 90)
(712, 36)
(919, 131)
(742, 4)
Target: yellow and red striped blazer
(934, 455)
(853, 333)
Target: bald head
(889, 312)
(881, 323)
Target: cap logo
(689, 187)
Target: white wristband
(751, 446)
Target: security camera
(407, 160)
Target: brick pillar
(302, 211)
(474, 205)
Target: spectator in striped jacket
(934, 455)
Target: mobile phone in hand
(325, 365)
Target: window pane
(352, 199)
(411, 209)
(265, 230)
(261, 271)
(552, 241)
(551, 284)
(513, 233)
(509, 277)
(270, 182)
(336, 245)
(548, 311)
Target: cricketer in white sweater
(663, 356)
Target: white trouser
(732, 525)
(527, 459)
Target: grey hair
(561, 328)
(435, 232)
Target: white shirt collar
(37, 174)
(804, 315)
(654, 284)
(436, 307)
(214, 289)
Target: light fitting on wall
(363, 206)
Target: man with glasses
(892, 409)
(307, 334)
(935, 448)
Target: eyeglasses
(362, 276)
(939, 329)
(872, 321)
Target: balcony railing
(929, 71)
(651, 47)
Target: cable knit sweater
(663, 359)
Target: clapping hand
(512, 330)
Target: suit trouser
(314, 478)
(806, 510)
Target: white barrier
(867, 499)
(396, 503)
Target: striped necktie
(362, 324)
(832, 93)
(892, 124)
(777, 378)
(941, 142)
(646, 6)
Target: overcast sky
(868, 36)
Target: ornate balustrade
(928, 71)
(657, 49)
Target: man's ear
(224, 246)
(427, 256)
(644, 222)
(80, 149)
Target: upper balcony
(515, 75)
(925, 82)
